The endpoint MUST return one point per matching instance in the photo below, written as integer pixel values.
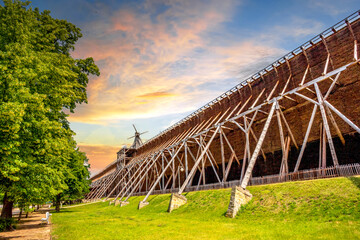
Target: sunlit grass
(319, 209)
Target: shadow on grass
(153, 198)
(136, 198)
(64, 211)
(355, 181)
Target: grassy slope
(319, 209)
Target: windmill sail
(137, 140)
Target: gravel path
(30, 228)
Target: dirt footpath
(29, 228)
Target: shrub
(6, 224)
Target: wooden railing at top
(329, 172)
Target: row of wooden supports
(176, 155)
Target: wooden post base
(239, 196)
(123, 204)
(176, 201)
(142, 204)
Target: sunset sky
(162, 59)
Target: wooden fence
(329, 172)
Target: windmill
(137, 140)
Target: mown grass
(319, 209)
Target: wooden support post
(112, 180)
(342, 116)
(323, 165)
(284, 168)
(286, 84)
(252, 161)
(332, 86)
(203, 165)
(230, 147)
(186, 159)
(138, 176)
(168, 182)
(232, 112)
(198, 161)
(222, 157)
(257, 99)
(320, 145)
(243, 106)
(305, 138)
(281, 132)
(288, 128)
(304, 77)
(146, 182)
(167, 166)
(272, 91)
(246, 152)
(326, 125)
(256, 139)
(210, 157)
(194, 159)
(173, 174)
(162, 169)
(287, 149)
(337, 129)
(107, 183)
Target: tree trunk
(57, 203)
(20, 214)
(6, 212)
(27, 214)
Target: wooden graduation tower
(298, 118)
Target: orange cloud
(99, 155)
(156, 95)
(125, 23)
(139, 57)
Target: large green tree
(39, 81)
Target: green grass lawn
(319, 209)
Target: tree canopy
(39, 82)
